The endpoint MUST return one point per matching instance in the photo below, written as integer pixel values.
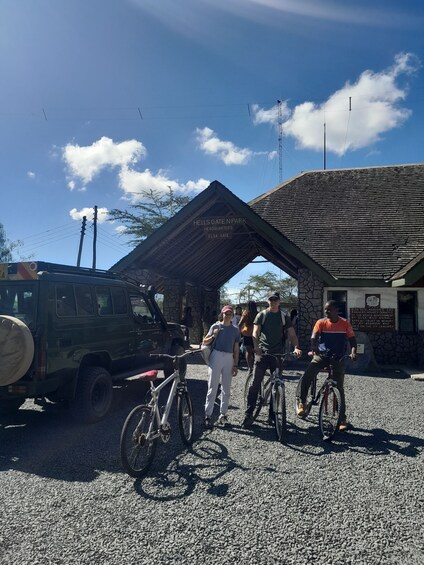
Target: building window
(407, 311)
(340, 296)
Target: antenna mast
(280, 143)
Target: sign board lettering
(373, 319)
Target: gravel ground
(238, 496)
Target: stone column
(311, 295)
(172, 300)
(194, 298)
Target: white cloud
(226, 151)
(357, 12)
(270, 116)
(102, 214)
(134, 183)
(31, 174)
(86, 162)
(120, 230)
(375, 109)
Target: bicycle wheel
(138, 441)
(185, 417)
(263, 395)
(280, 413)
(329, 412)
(247, 384)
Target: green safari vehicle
(68, 333)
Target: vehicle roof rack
(38, 267)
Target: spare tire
(16, 349)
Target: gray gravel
(239, 496)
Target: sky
(101, 100)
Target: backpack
(283, 329)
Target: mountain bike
(147, 423)
(272, 389)
(327, 397)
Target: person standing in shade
(223, 364)
(269, 330)
(236, 318)
(246, 330)
(207, 319)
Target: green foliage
(145, 217)
(7, 247)
(258, 287)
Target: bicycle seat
(148, 376)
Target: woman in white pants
(223, 362)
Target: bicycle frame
(154, 402)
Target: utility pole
(280, 143)
(325, 148)
(94, 236)
(84, 221)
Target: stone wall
(394, 348)
(310, 293)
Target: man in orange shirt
(329, 335)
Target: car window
(18, 301)
(119, 298)
(65, 300)
(140, 309)
(85, 304)
(104, 300)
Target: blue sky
(102, 99)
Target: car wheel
(16, 349)
(93, 395)
(10, 406)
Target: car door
(150, 333)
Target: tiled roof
(356, 223)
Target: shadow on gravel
(47, 442)
(208, 462)
(377, 441)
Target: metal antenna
(280, 142)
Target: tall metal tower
(280, 142)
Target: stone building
(353, 235)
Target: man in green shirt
(269, 328)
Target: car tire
(93, 395)
(9, 406)
(16, 349)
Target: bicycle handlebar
(174, 357)
(330, 356)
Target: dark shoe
(248, 421)
(208, 423)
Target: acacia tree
(143, 218)
(258, 287)
(6, 246)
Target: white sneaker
(223, 421)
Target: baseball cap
(274, 296)
(227, 309)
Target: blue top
(226, 338)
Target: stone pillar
(194, 298)
(172, 300)
(311, 294)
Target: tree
(258, 287)
(143, 218)
(6, 246)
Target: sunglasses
(228, 313)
